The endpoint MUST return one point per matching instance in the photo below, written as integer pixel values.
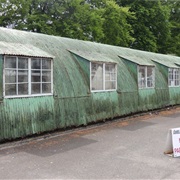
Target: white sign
(176, 141)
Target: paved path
(132, 149)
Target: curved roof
(28, 43)
(70, 79)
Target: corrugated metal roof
(138, 60)
(92, 56)
(166, 63)
(7, 48)
(177, 63)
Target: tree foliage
(116, 28)
(151, 27)
(13, 13)
(174, 42)
(141, 24)
(78, 20)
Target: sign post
(173, 142)
(176, 141)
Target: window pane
(113, 76)
(150, 83)
(150, 77)
(46, 88)
(22, 76)
(35, 76)
(35, 63)
(10, 62)
(35, 88)
(10, 89)
(176, 74)
(97, 76)
(23, 89)
(17, 75)
(46, 76)
(110, 76)
(110, 68)
(174, 77)
(171, 81)
(141, 77)
(176, 83)
(110, 85)
(46, 64)
(10, 76)
(149, 71)
(22, 63)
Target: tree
(79, 20)
(140, 24)
(151, 26)
(124, 3)
(115, 27)
(13, 13)
(174, 42)
(96, 3)
(39, 18)
(69, 18)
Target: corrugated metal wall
(73, 104)
(1, 78)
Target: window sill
(174, 86)
(146, 88)
(28, 96)
(110, 90)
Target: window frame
(104, 84)
(146, 80)
(29, 77)
(174, 77)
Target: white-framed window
(103, 76)
(174, 77)
(24, 76)
(146, 77)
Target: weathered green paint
(170, 64)
(151, 98)
(138, 60)
(147, 99)
(26, 116)
(72, 103)
(93, 57)
(1, 78)
(84, 66)
(174, 95)
(22, 50)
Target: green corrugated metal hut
(77, 82)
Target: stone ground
(128, 149)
